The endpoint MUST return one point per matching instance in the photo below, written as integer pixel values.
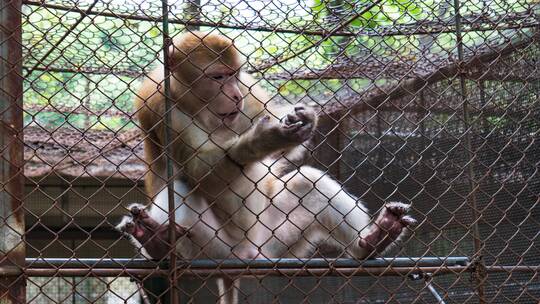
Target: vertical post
(173, 274)
(193, 14)
(480, 273)
(12, 249)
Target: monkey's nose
(237, 98)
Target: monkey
(229, 143)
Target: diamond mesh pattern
(432, 103)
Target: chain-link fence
(435, 104)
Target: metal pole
(12, 248)
(247, 264)
(206, 273)
(434, 293)
(429, 285)
(193, 14)
(11, 271)
(173, 279)
(427, 279)
(480, 273)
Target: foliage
(113, 45)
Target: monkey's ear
(176, 56)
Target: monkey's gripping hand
(153, 236)
(292, 130)
(300, 125)
(388, 227)
(269, 136)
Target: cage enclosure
(434, 103)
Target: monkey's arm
(213, 166)
(269, 136)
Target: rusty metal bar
(10, 271)
(12, 246)
(429, 285)
(135, 268)
(420, 28)
(144, 296)
(167, 42)
(471, 197)
(211, 272)
(435, 293)
(239, 263)
(193, 13)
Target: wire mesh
(430, 103)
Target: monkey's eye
(218, 77)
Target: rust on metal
(430, 103)
(12, 247)
(240, 272)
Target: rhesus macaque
(232, 195)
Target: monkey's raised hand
(301, 123)
(294, 129)
(269, 136)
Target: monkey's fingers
(408, 221)
(298, 132)
(306, 132)
(291, 119)
(293, 126)
(387, 228)
(140, 232)
(128, 228)
(137, 211)
(306, 114)
(142, 218)
(397, 209)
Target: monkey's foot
(387, 228)
(153, 236)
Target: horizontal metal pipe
(94, 263)
(404, 29)
(243, 271)
(238, 263)
(203, 273)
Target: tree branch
(331, 33)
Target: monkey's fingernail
(294, 125)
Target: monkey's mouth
(230, 115)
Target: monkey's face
(221, 89)
(206, 68)
(217, 98)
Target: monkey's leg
(153, 236)
(387, 228)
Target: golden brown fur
(189, 55)
(227, 145)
